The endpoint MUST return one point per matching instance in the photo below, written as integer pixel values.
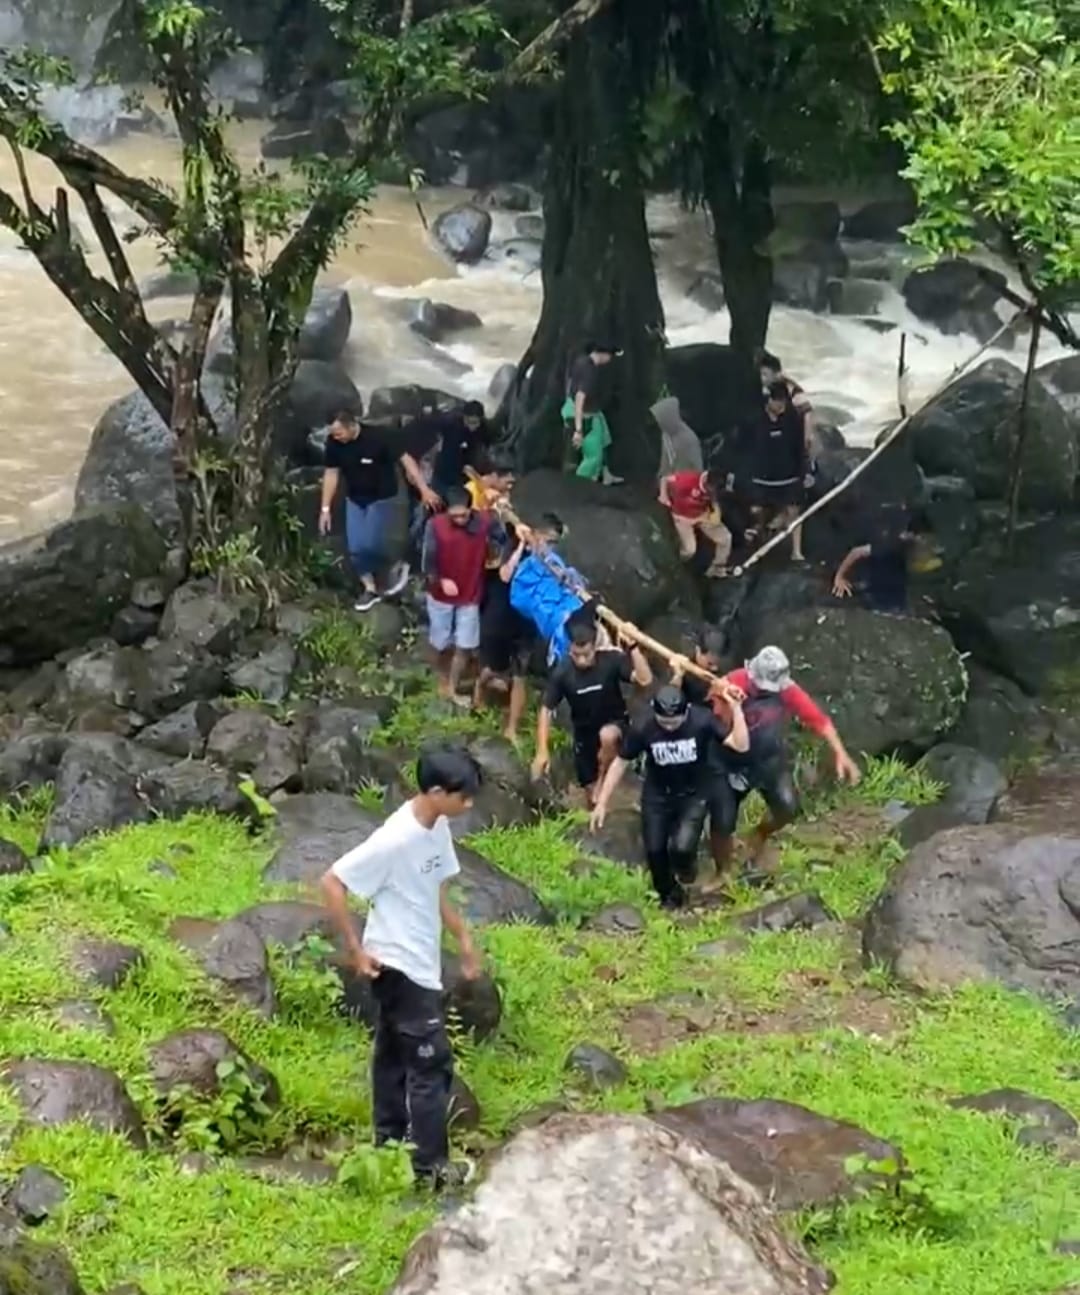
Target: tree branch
(553, 35)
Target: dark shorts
(506, 641)
(587, 750)
(728, 788)
(785, 495)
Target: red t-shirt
(761, 708)
(689, 498)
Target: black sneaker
(367, 601)
(397, 580)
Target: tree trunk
(738, 193)
(598, 274)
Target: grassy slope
(863, 1051)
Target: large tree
(598, 274)
(257, 241)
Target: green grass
(984, 1224)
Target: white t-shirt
(399, 870)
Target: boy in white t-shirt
(403, 870)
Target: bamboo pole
(622, 629)
(878, 450)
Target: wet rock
(968, 432)
(617, 919)
(1043, 1123)
(597, 1068)
(707, 291)
(999, 719)
(955, 296)
(795, 1157)
(30, 761)
(289, 923)
(492, 807)
(132, 626)
(506, 197)
(318, 393)
(315, 829)
(858, 296)
(503, 380)
(526, 255)
(106, 963)
(169, 675)
(190, 1059)
(982, 903)
(183, 734)
(36, 1194)
(803, 279)
(12, 859)
(464, 1108)
(267, 675)
(474, 1005)
(232, 954)
(319, 137)
(792, 913)
(1016, 613)
(67, 1092)
(197, 614)
(30, 1268)
(326, 326)
(410, 401)
(881, 220)
(72, 1014)
(529, 226)
(62, 587)
(608, 1202)
(97, 789)
(972, 784)
(248, 741)
(618, 840)
(193, 786)
(436, 320)
(836, 656)
(463, 232)
(338, 755)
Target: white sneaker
(610, 479)
(367, 602)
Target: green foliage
(234, 1118)
(338, 639)
(262, 807)
(991, 126)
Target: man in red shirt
(454, 560)
(691, 497)
(771, 697)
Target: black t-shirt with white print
(595, 695)
(678, 761)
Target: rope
(878, 450)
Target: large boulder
(191, 1059)
(320, 390)
(969, 430)
(97, 788)
(248, 741)
(63, 587)
(999, 719)
(69, 1092)
(29, 1268)
(622, 542)
(1063, 379)
(890, 683)
(232, 954)
(982, 903)
(326, 326)
(130, 457)
(154, 680)
(795, 1157)
(803, 279)
(199, 614)
(1016, 612)
(483, 142)
(194, 787)
(714, 389)
(313, 830)
(956, 296)
(584, 1204)
(463, 232)
(972, 784)
(881, 219)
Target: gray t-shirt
(399, 870)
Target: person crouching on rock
(454, 561)
(676, 741)
(691, 498)
(403, 871)
(591, 682)
(771, 696)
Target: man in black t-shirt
(446, 443)
(780, 455)
(591, 682)
(678, 742)
(363, 457)
(883, 563)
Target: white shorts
(450, 626)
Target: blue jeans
(367, 529)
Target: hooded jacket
(680, 449)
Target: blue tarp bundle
(543, 589)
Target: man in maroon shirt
(691, 497)
(454, 560)
(771, 697)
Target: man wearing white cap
(772, 697)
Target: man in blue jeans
(367, 462)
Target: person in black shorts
(677, 741)
(780, 458)
(591, 682)
(507, 638)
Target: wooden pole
(876, 453)
(620, 628)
